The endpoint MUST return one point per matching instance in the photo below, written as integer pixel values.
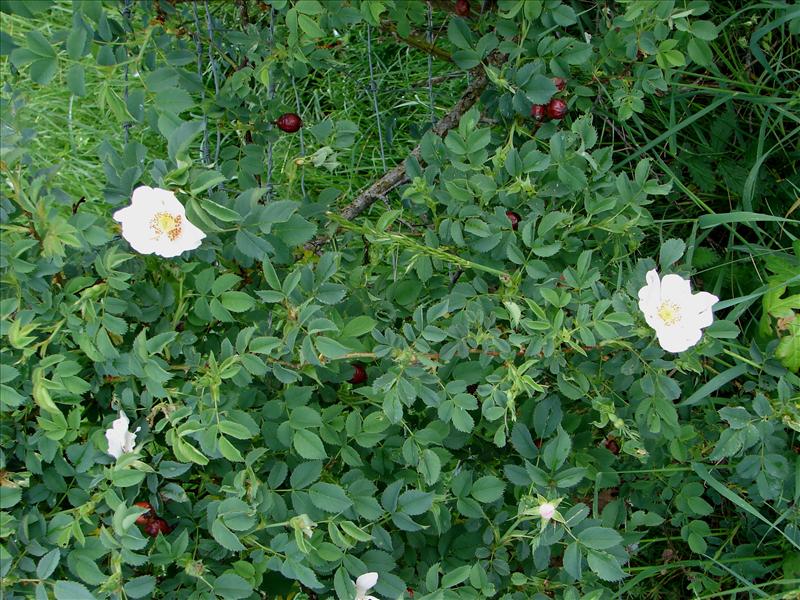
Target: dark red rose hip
(289, 122)
(145, 518)
(538, 111)
(556, 109)
(156, 526)
(514, 218)
(559, 83)
(462, 8)
(359, 375)
(612, 446)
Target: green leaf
(415, 502)
(556, 451)
(10, 497)
(140, 587)
(466, 59)
(359, 326)
(39, 45)
(75, 80)
(330, 348)
(459, 34)
(230, 585)
(605, 566)
(487, 489)
(329, 497)
(228, 450)
(700, 52)
(220, 212)
(788, 349)
(279, 211)
(539, 89)
(430, 466)
(305, 474)
(181, 139)
(671, 251)
(304, 417)
(295, 231)
(456, 576)
(70, 590)
(43, 70)
(185, 452)
(48, 563)
(237, 302)
(308, 445)
(205, 180)
(76, 41)
(225, 537)
(235, 430)
(705, 30)
(127, 477)
(236, 514)
(599, 538)
(573, 561)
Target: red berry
(359, 375)
(560, 83)
(462, 8)
(145, 518)
(289, 122)
(538, 111)
(557, 108)
(514, 218)
(612, 446)
(156, 526)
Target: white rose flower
(156, 223)
(364, 584)
(547, 510)
(120, 440)
(677, 315)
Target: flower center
(669, 313)
(164, 223)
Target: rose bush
(238, 367)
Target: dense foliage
(451, 381)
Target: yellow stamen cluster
(669, 313)
(164, 223)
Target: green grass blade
(714, 384)
(706, 476)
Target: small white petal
(169, 201)
(674, 287)
(703, 301)
(678, 339)
(120, 440)
(192, 234)
(650, 298)
(364, 584)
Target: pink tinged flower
(547, 510)
(677, 316)
(156, 223)
(364, 584)
(120, 440)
